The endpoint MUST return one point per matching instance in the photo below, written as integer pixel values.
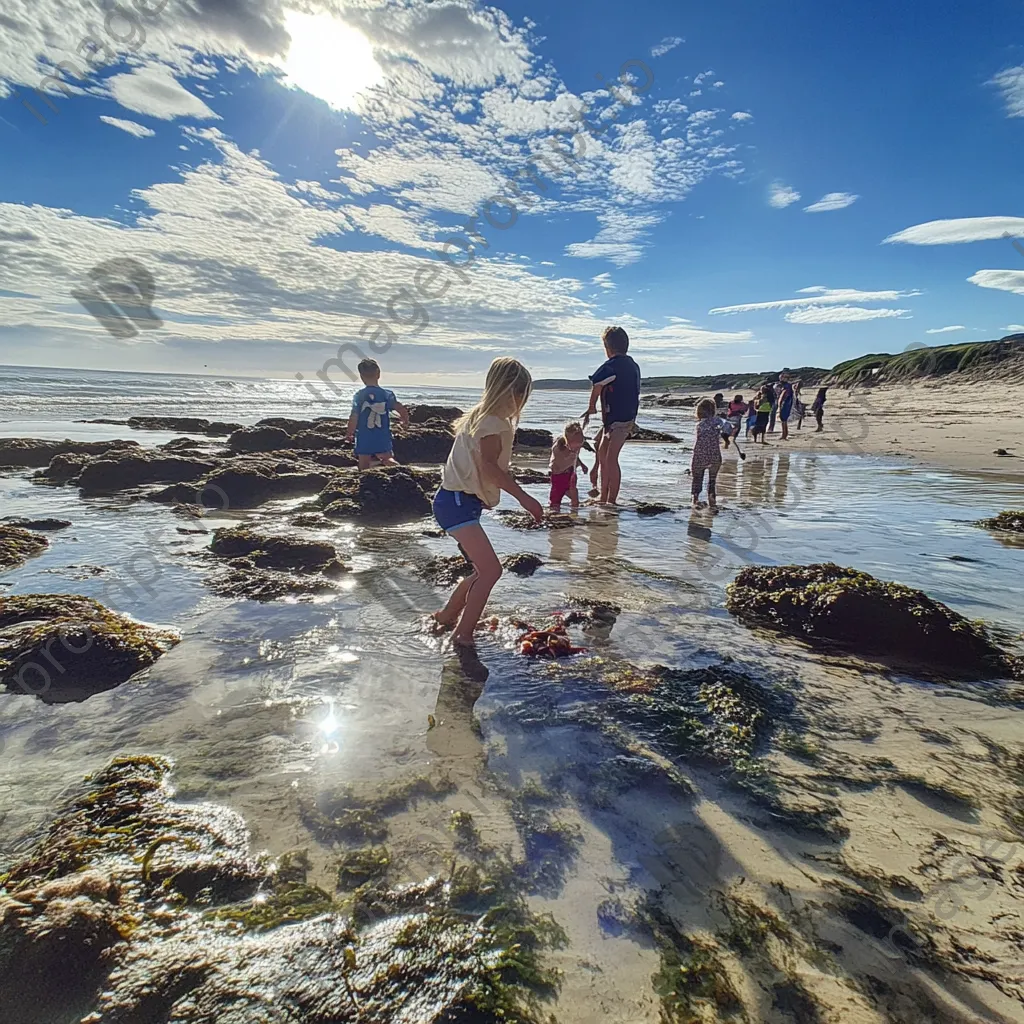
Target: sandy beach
(933, 422)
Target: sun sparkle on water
(329, 59)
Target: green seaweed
(18, 545)
(828, 605)
(345, 815)
(462, 948)
(358, 867)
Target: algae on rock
(65, 648)
(18, 545)
(827, 604)
(108, 903)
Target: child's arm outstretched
(595, 394)
(350, 430)
(403, 413)
(490, 452)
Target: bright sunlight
(328, 59)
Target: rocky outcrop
(646, 434)
(388, 494)
(529, 438)
(131, 469)
(31, 452)
(151, 911)
(446, 571)
(66, 648)
(425, 413)
(185, 424)
(1011, 521)
(37, 524)
(829, 605)
(652, 508)
(248, 483)
(428, 444)
(264, 568)
(670, 401)
(18, 545)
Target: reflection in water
(453, 736)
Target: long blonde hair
(506, 379)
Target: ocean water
(264, 706)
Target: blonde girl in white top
(474, 477)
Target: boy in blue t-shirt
(617, 383)
(370, 422)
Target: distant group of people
(477, 470)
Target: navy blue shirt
(620, 397)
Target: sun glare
(328, 59)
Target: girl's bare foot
(463, 642)
(436, 624)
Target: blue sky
(769, 184)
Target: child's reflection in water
(453, 735)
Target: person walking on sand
(818, 407)
(764, 411)
(799, 404)
(785, 403)
(370, 422)
(735, 413)
(707, 453)
(752, 413)
(770, 392)
(565, 458)
(474, 476)
(617, 384)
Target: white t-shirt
(462, 470)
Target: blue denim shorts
(455, 509)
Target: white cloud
(667, 44)
(962, 229)
(818, 295)
(1011, 82)
(840, 314)
(604, 281)
(1001, 280)
(1014, 327)
(703, 77)
(742, 115)
(140, 131)
(946, 330)
(702, 116)
(780, 196)
(832, 201)
(154, 91)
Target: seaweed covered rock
(446, 571)
(259, 439)
(387, 494)
(652, 508)
(428, 443)
(184, 424)
(264, 568)
(66, 648)
(425, 413)
(249, 482)
(527, 437)
(33, 452)
(646, 434)
(122, 470)
(150, 910)
(37, 524)
(827, 604)
(1011, 521)
(524, 521)
(17, 546)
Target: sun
(328, 59)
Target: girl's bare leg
(471, 595)
(450, 613)
(365, 462)
(387, 459)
